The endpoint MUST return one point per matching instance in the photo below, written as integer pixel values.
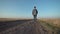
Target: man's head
(34, 6)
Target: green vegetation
(52, 25)
(49, 26)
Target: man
(34, 13)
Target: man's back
(34, 13)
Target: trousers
(35, 17)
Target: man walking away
(34, 13)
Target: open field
(26, 26)
(21, 27)
(51, 24)
(12, 19)
(54, 22)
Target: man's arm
(37, 11)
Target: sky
(23, 8)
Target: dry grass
(12, 19)
(54, 22)
(51, 24)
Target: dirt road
(22, 27)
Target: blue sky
(23, 8)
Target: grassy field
(54, 22)
(12, 19)
(51, 24)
